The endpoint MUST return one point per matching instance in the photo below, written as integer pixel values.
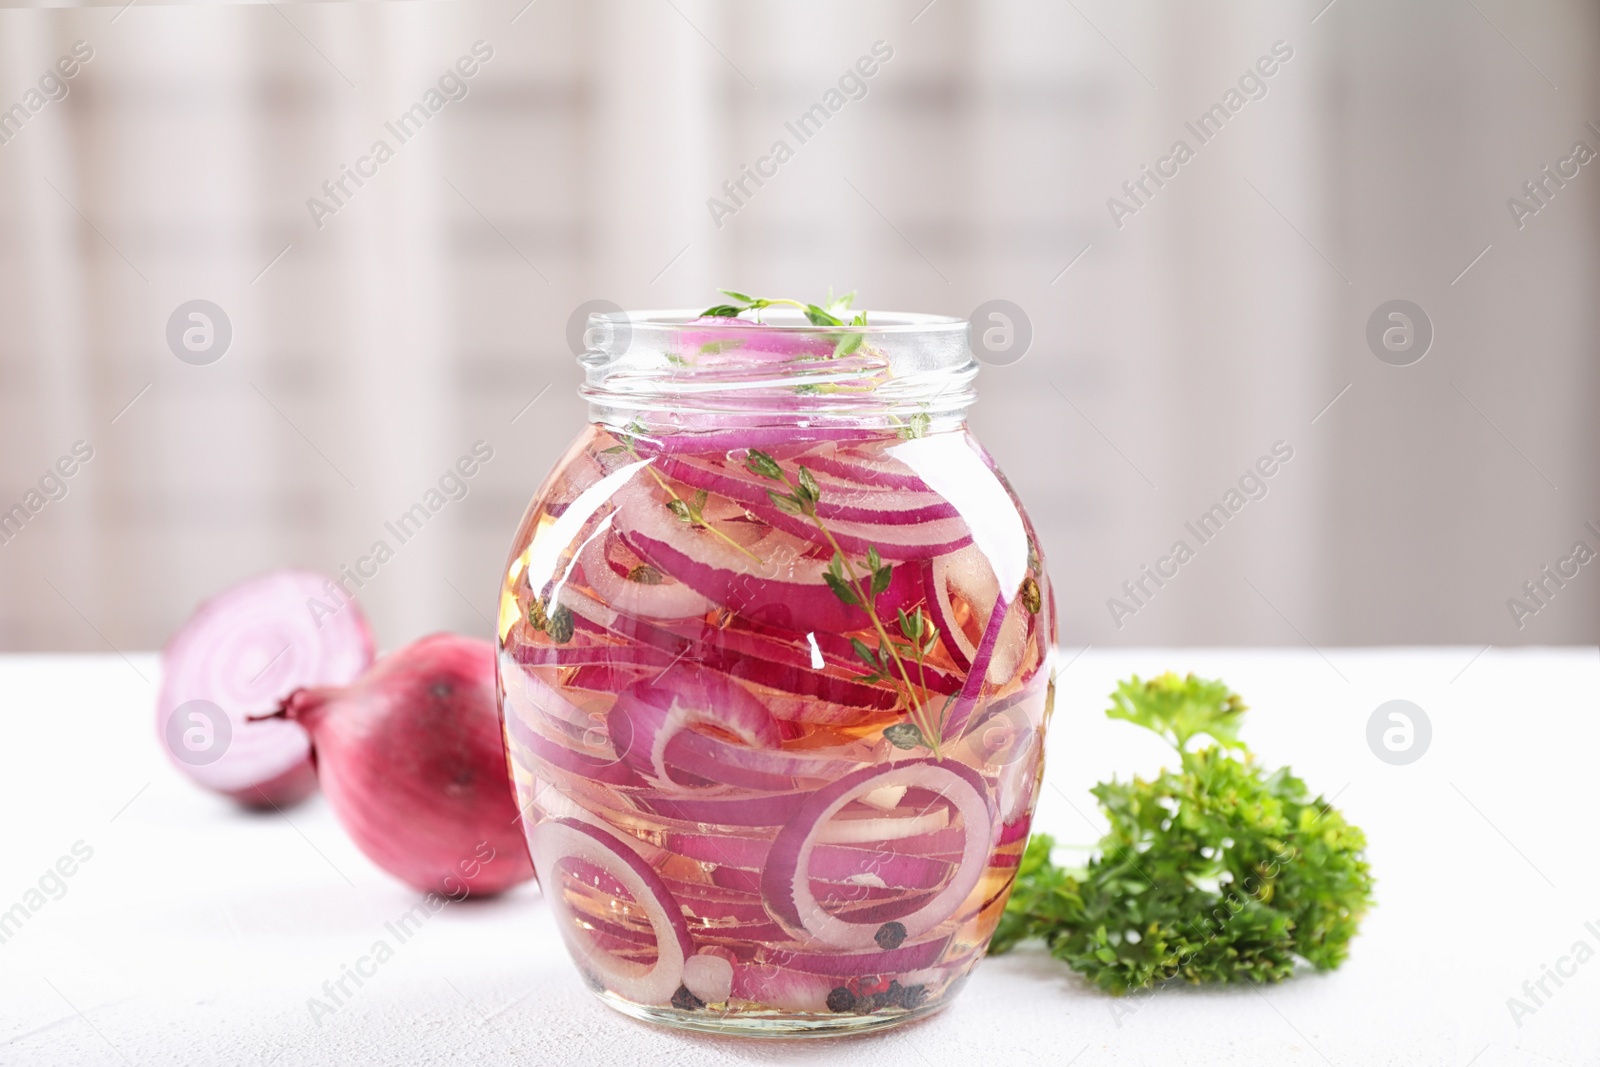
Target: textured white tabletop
(195, 933)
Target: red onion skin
(412, 759)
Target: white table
(196, 933)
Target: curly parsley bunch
(1214, 872)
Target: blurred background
(360, 336)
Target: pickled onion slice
(663, 598)
(841, 499)
(242, 652)
(786, 880)
(648, 717)
(799, 601)
(567, 839)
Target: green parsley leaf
(1179, 708)
(1215, 872)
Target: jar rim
(895, 366)
(782, 318)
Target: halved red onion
(554, 840)
(238, 655)
(786, 883)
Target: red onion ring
(554, 840)
(739, 655)
(664, 599)
(785, 883)
(893, 539)
(647, 718)
(841, 499)
(716, 570)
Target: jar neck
(667, 372)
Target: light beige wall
(426, 314)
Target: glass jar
(775, 649)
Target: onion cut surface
(242, 652)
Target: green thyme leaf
(786, 503)
(910, 625)
(645, 574)
(848, 344)
(721, 311)
(881, 579)
(809, 490)
(818, 317)
(903, 735)
(680, 509)
(700, 498)
(1031, 597)
(560, 625)
(841, 588)
(536, 614)
(916, 426)
(760, 463)
(741, 297)
(863, 653)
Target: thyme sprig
(834, 311)
(690, 512)
(861, 588)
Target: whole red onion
(412, 759)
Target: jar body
(774, 704)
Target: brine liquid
(705, 576)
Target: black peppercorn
(890, 935)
